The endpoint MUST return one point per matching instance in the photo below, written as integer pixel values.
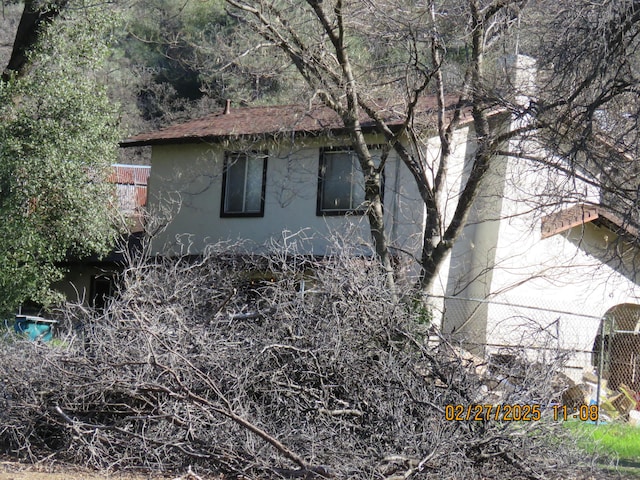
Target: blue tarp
(36, 328)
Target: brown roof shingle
(580, 214)
(269, 121)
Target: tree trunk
(375, 215)
(34, 17)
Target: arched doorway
(616, 348)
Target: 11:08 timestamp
(582, 412)
(518, 413)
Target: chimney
(521, 74)
(227, 107)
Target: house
(92, 280)
(520, 274)
(131, 193)
(254, 173)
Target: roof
(232, 123)
(129, 174)
(131, 191)
(581, 214)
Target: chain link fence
(599, 355)
(617, 347)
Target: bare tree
(586, 110)
(322, 40)
(589, 94)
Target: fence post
(600, 366)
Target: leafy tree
(58, 137)
(35, 16)
(157, 52)
(187, 55)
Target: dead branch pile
(275, 366)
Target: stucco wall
(186, 188)
(186, 181)
(575, 271)
(507, 286)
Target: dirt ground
(10, 470)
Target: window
(341, 182)
(243, 185)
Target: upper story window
(341, 182)
(243, 184)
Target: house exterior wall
(462, 150)
(506, 286)
(185, 188)
(542, 293)
(78, 284)
(187, 180)
(470, 269)
(575, 272)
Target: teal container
(35, 328)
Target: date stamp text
(516, 413)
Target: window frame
(223, 202)
(322, 164)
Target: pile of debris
(619, 404)
(502, 376)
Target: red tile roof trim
(130, 174)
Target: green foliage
(185, 53)
(165, 49)
(422, 313)
(58, 137)
(164, 36)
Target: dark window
(243, 184)
(341, 182)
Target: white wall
(567, 281)
(186, 180)
(567, 272)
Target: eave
(268, 122)
(582, 214)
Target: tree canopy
(58, 138)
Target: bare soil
(11, 470)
